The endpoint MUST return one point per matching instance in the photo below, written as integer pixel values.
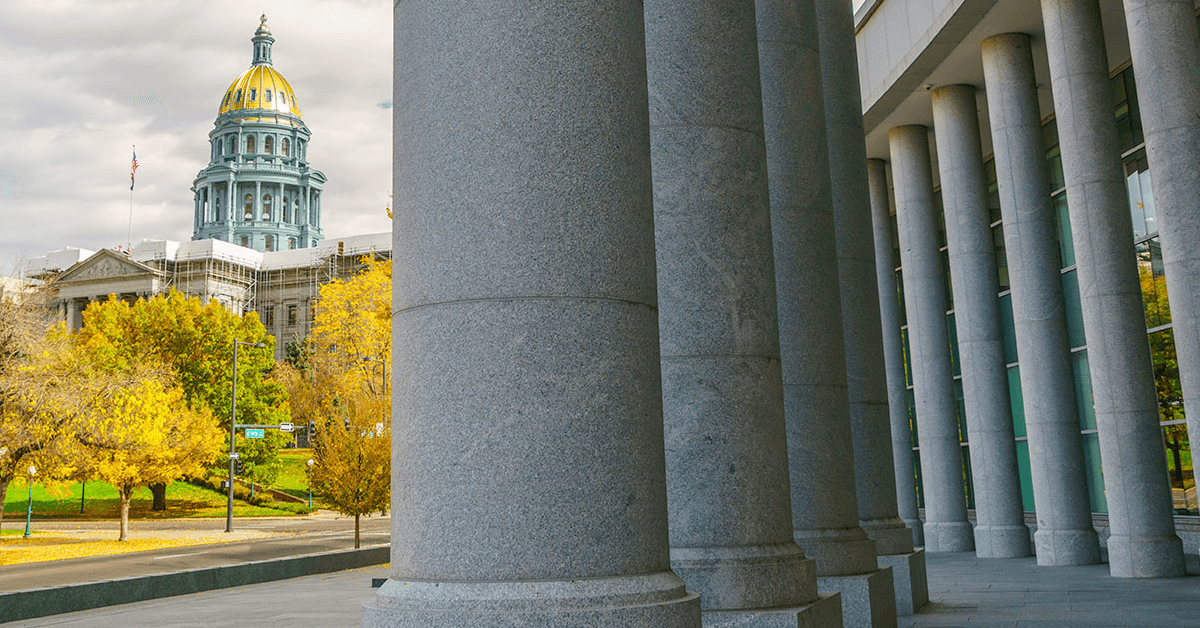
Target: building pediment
(105, 264)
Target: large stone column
(728, 500)
(1142, 541)
(824, 502)
(866, 381)
(946, 525)
(528, 483)
(893, 351)
(1166, 59)
(1064, 533)
(1000, 530)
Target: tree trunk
(126, 497)
(3, 492)
(356, 531)
(1175, 447)
(159, 491)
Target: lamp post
(310, 464)
(29, 510)
(233, 429)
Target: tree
(341, 385)
(196, 342)
(148, 434)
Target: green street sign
(252, 432)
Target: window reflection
(1152, 277)
(1141, 201)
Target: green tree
(196, 342)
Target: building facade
(258, 190)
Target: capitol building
(257, 243)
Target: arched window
(232, 143)
(286, 210)
(220, 147)
(269, 145)
(238, 97)
(287, 146)
(250, 144)
(266, 214)
(245, 241)
(270, 244)
(291, 243)
(217, 209)
(249, 199)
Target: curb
(32, 603)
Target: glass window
(291, 243)
(1001, 256)
(1141, 199)
(287, 147)
(283, 97)
(268, 316)
(228, 95)
(250, 147)
(1152, 277)
(1017, 400)
(1095, 473)
(948, 285)
(1179, 467)
(907, 357)
(245, 241)
(1027, 502)
(253, 94)
(1083, 390)
(269, 243)
(1076, 335)
(1125, 109)
(266, 207)
(911, 405)
(292, 315)
(968, 482)
(989, 168)
(249, 208)
(952, 330)
(238, 97)
(285, 209)
(900, 297)
(269, 145)
(1166, 376)
(960, 407)
(1008, 329)
(1053, 156)
(1066, 242)
(917, 477)
(267, 95)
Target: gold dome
(260, 88)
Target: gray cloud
(87, 80)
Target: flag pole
(129, 234)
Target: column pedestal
(910, 579)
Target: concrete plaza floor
(964, 591)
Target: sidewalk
(965, 591)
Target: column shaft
(824, 502)
(893, 351)
(528, 484)
(1064, 533)
(1000, 530)
(1166, 59)
(728, 500)
(866, 381)
(1142, 539)
(946, 525)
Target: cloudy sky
(85, 80)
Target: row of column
(1142, 539)
(621, 389)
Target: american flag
(133, 169)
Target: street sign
(255, 432)
(286, 427)
(233, 455)
(379, 428)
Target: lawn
(101, 501)
(293, 477)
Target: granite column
(866, 381)
(1165, 44)
(528, 483)
(893, 351)
(1065, 535)
(824, 502)
(728, 501)
(1000, 530)
(946, 526)
(1142, 541)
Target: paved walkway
(966, 591)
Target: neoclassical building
(715, 310)
(258, 190)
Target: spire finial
(262, 43)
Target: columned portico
(1142, 541)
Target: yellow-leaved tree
(147, 434)
(341, 385)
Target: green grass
(183, 500)
(293, 477)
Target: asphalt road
(302, 535)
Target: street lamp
(233, 429)
(310, 464)
(29, 510)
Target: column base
(868, 600)
(909, 579)
(657, 599)
(891, 536)
(1063, 548)
(1145, 556)
(918, 531)
(761, 576)
(949, 536)
(825, 612)
(1002, 541)
(839, 551)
